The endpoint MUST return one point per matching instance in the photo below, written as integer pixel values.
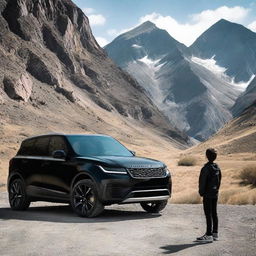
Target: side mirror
(60, 154)
(133, 152)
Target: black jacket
(209, 180)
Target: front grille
(147, 172)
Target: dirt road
(50, 229)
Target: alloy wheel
(84, 198)
(16, 193)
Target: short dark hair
(211, 154)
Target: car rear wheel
(154, 207)
(84, 199)
(17, 195)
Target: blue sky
(185, 20)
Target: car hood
(126, 162)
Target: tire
(85, 200)
(154, 207)
(18, 198)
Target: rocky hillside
(47, 51)
(195, 98)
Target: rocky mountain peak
(145, 40)
(223, 21)
(233, 47)
(145, 27)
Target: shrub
(248, 175)
(187, 161)
(225, 195)
(248, 197)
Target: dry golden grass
(241, 198)
(190, 197)
(248, 175)
(187, 161)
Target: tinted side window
(26, 148)
(57, 143)
(41, 146)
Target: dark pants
(210, 210)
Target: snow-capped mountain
(144, 40)
(194, 93)
(232, 46)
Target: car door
(37, 160)
(27, 165)
(60, 171)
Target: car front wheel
(84, 199)
(17, 195)
(154, 207)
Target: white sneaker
(215, 236)
(205, 239)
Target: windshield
(97, 146)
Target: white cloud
(235, 14)
(199, 22)
(101, 41)
(88, 10)
(94, 18)
(97, 19)
(252, 26)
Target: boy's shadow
(169, 249)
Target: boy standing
(209, 184)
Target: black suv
(87, 171)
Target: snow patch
(219, 71)
(136, 46)
(211, 65)
(242, 85)
(153, 64)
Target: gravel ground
(51, 229)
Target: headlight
(113, 170)
(167, 171)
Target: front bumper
(124, 189)
(149, 195)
